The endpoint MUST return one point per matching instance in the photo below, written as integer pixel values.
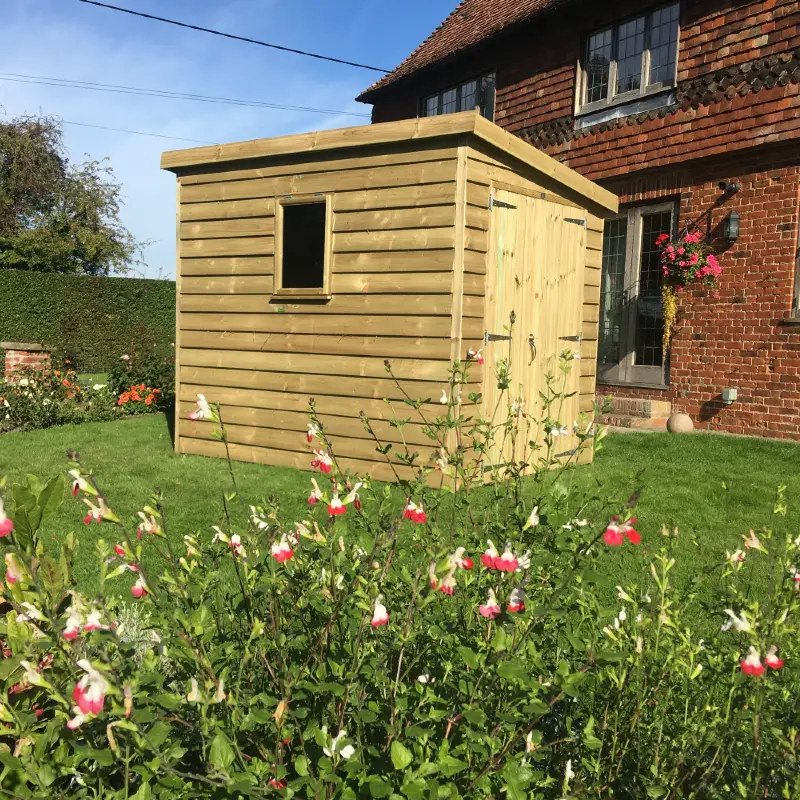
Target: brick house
(690, 112)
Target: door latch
(495, 337)
(532, 345)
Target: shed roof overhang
(467, 124)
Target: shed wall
(396, 232)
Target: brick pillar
(21, 356)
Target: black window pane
(630, 47)
(650, 315)
(450, 101)
(303, 246)
(663, 45)
(432, 106)
(487, 96)
(469, 96)
(612, 293)
(598, 61)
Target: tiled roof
(469, 24)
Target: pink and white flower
(77, 720)
(507, 562)
(316, 494)
(97, 513)
(14, 570)
(282, 551)
(313, 430)
(94, 622)
(6, 525)
(751, 664)
(323, 462)
(74, 625)
(516, 603)
(752, 542)
(448, 584)
(119, 550)
(380, 616)
(736, 558)
(336, 506)
(139, 589)
(90, 691)
(533, 519)
(235, 544)
(352, 497)
(772, 659)
(490, 555)
(617, 531)
(415, 513)
(149, 523)
(80, 484)
(475, 355)
(491, 608)
(203, 410)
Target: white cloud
(49, 38)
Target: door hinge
(495, 337)
(499, 203)
(578, 338)
(581, 222)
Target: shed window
(630, 60)
(476, 93)
(302, 246)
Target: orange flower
(148, 401)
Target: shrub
(147, 370)
(383, 647)
(82, 315)
(42, 399)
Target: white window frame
(645, 89)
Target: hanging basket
(684, 262)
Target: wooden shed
(305, 261)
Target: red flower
(491, 608)
(323, 462)
(281, 551)
(6, 524)
(490, 555)
(773, 662)
(751, 664)
(415, 513)
(336, 506)
(616, 532)
(516, 603)
(119, 550)
(507, 562)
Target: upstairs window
(476, 93)
(302, 246)
(630, 60)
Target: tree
(56, 216)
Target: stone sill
(29, 347)
(790, 322)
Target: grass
(682, 481)
(91, 378)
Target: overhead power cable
(233, 36)
(119, 130)
(165, 93)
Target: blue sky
(71, 40)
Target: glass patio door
(631, 316)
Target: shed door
(536, 264)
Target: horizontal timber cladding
(389, 304)
(292, 386)
(377, 470)
(296, 424)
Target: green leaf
(221, 753)
(517, 779)
(401, 755)
(378, 787)
(470, 657)
(144, 793)
(414, 789)
(301, 766)
(52, 496)
(656, 791)
(449, 765)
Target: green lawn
(680, 479)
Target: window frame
(313, 293)
(645, 89)
(485, 98)
(626, 372)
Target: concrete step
(634, 423)
(640, 407)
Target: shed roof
(468, 123)
(469, 24)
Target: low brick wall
(24, 356)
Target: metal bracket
(578, 338)
(581, 222)
(494, 337)
(567, 453)
(498, 203)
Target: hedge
(90, 320)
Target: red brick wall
(738, 335)
(19, 360)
